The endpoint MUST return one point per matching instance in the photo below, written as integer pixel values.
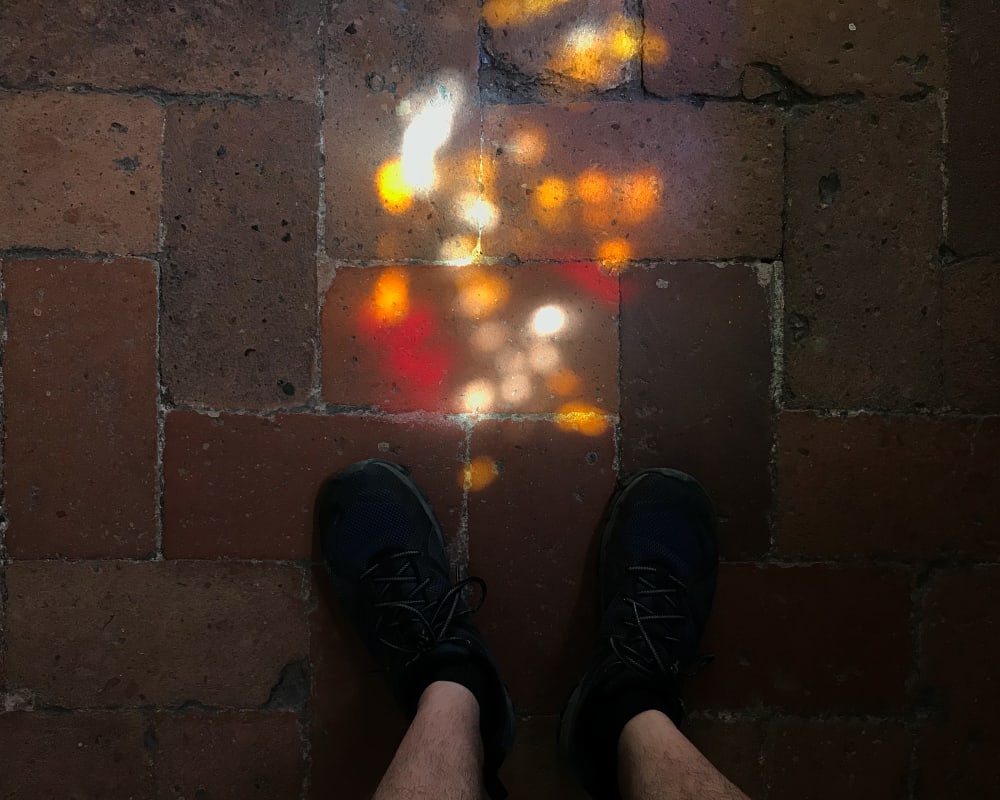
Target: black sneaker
(385, 555)
(658, 567)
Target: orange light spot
(593, 186)
(642, 194)
(482, 295)
(625, 42)
(563, 382)
(552, 193)
(527, 147)
(614, 253)
(479, 473)
(393, 190)
(655, 49)
(582, 418)
(390, 300)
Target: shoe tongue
(680, 550)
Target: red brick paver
(525, 248)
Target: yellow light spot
(582, 418)
(640, 196)
(563, 382)
(548, 320)
(390, 300)
(614, 254)
(482, 296)
(551, 193)
(478, 397)
(460, 250)
(393, 190)
(479, 473)
(501, 13)
(655, 49)
(625, 43)
(593, 186)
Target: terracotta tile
(970, 294)
(790, 637)
(960, 631)
(734, 747)
(242, 47)
(81, 384)
(401, 130)
(905, 486)
(834, 758)
(532, 769)
(641, 180)
(696, 367)
(128, 634)
(241, 486)
(864, 227)
(891, 48)
(87, 172)
(239, 285)
(74, 755)
(526, 339)
(973, 160)
(232, 755)
(534, 510)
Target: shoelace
(647, 628)
(410, 623)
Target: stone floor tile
(81, 386)
(734, 747)
(973, 155)
(528, 339)
(970, 296)
(401, 130)
(696, 369)
(790, 637)
(536, 498)
(134, 634)
(80, 172)
(835, 758)
(239, 285)
(244, 487)
(242, 47)
(533, 769)
(74, 755)
(904, 486)
(863, 231)
(229, 756)
(355, 723)
(645, 180)
(961, 628)
(894, 47)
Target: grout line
(4, 521)
(920, 588)
(321, 261)
(459, 550)
(161, 421)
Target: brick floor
(525, 248)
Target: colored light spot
(390, 300)
(393, 190)
(477, 397)
(563, 382)
(548, 320)
(543, 357)
(625, 42)
(482, 295)
(479, 473)
(593, 186)
(614, 254)
(515, 389)
(551, 193)
(517, 12)
(527, 147)
(582, 418)
(655, 49)
(640, 197)
(460, 250)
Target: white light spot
(548, 320)
(510, 361)
(852, 27)
(478, 211)
(515, 389)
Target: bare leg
(656, 762)
(441, 755)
